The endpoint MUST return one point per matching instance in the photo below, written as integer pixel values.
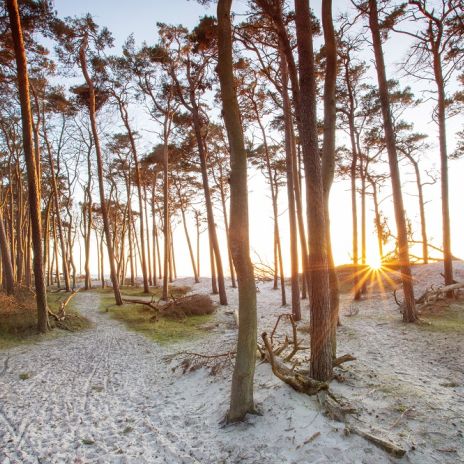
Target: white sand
(108, 395)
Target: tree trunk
(31, 164)
(189, 244)
(56, 198)
(328, 156)
(104, 211)
(289, 160)
(6, 259)
(409, 313)
(321, 324)
(241, 401)
(166, 221)
(138, 183)
(447, 255)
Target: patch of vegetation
(87, 441)
(448, 320)
(24, 375)
(18, 318)
(170, 328)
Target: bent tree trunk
(241, 401)
(33, 181)
(409, 314)
(104, 210)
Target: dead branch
(60, 316)
(298, 382)
(343, 359)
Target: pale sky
(140, 17)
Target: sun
(375, 263)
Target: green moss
(163, 331)
(24, 376)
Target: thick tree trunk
(409, 313)
(328, 155)
(241, 401)
(31, 164)
(321, 324)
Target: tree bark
(328, 156)
(33, 180)
(321, 324)
(241, 401)
(409, 313)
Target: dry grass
(192, 305)
(18, 317)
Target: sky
(140, 17)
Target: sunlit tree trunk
(31, 164)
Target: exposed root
(61, 314)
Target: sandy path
(107, 395)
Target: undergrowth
(18, 318)
(164, 330)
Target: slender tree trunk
(7, 267)
(241, 401)
(56, 198)
(226, 226)
(289, 159)
(166, 221)
(209, 208)
(447, 255)
(138, 183)
(31, 164)
(189, 244)
(409, 313)
(96, 140)
(378, 224)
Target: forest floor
(109, 394)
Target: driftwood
(61, 314)
(432, 294)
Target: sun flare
(375, 263)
